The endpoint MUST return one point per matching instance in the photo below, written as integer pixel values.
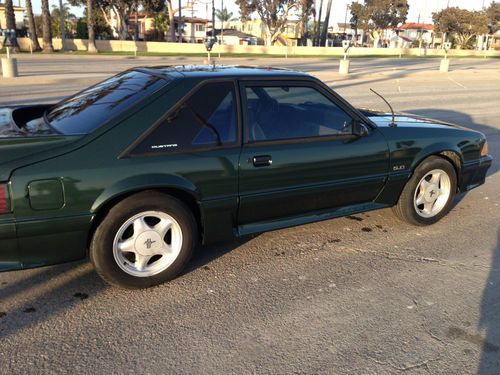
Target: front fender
(434, 149)
(144, 182)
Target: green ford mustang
(139, 169)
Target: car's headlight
(484, 151)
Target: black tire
(101, 247)
(405, 208)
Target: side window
(288, 112)
(207, 118)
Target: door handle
(262, 161)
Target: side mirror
(359, 129)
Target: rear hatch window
(92, 107)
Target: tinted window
(89, 109)
(206, 118)
(287, 112)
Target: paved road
(365, 294)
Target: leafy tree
(156, 9)
(46, 28)
(493, 13)
(32, 26)
(377, 15)
(359, 17)
(384, 14)
(101, 28)
(10, 17)
(273, 13)
(463, 24)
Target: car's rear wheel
(145, 240)
(429, 193)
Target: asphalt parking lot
(356, 295)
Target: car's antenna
(392, 123)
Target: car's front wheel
(145, 240)
(429, 193)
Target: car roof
(222, 71)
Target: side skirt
(265, 226)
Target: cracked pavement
(355, 295)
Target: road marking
(458, 83)
(399, 87)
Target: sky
(419, 9)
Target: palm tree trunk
(11, 22)
(171, 20)
(32, 27)
(324, 33)
(90, 26)
(46, 28)
(318, 25)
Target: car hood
(383, 119)
(20, 147)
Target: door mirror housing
(359, 129)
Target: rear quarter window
(205, 119)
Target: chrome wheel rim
(147, 243)
(432, 193)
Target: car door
(300, 154)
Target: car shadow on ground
(489, 319)
(34, 296)
(31, 297)
(489, 323)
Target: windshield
(91, 108)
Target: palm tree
(318, 25)
(47, 28)
(55, 19)
(32, 26)
(171, 16)
(11, 22)
(324, 33)
(223, 15)
(90, 25)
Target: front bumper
(474, 173)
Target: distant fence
(193, 48)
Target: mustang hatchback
(137, 170)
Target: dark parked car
(139, 169)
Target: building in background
(194, 29)
(232, 37)
(19, 14)
(290, 35)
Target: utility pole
(179, 24)
(222, 23)
(61, 26)
(213, 18)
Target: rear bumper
(34, 243)
(9, 252)
(474, 173)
